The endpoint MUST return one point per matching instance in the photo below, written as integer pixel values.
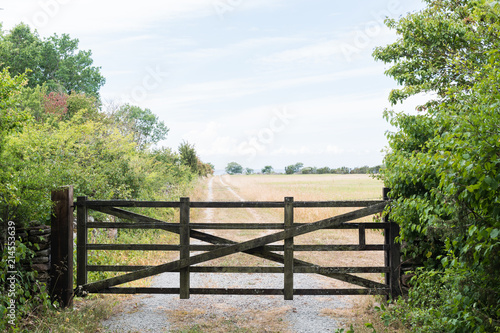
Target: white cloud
(233, 89)
(104, 17)
(317, 52)
(209, 140)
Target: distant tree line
(233, 168)
(342, 170)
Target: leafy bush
(443, 164)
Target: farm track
(230, 313)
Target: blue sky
(258, 82)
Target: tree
(249, 171)
(188, 156)
(443, 164)
(144, 125)
(291, 169)
(55, 61)
(267, 170)
(11, 119)
(324, 170)
(233, 168)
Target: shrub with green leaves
(443, 164)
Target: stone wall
(41, 262)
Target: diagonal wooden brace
(253, 244)
(258, 252)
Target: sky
(257, 82)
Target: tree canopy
(443, 164)
(233, 168)
(55, 61)
(142, 124)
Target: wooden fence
(188, 264)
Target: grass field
(302, 188)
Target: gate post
(184, 250)
(288, 250)
(387, 240)
(61, 266)
(395, 260)
(392, 254)
(81, 238)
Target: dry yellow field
(302, 188)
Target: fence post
(184, 250)
(288, 250)
(387, 241)
(61, 267)
(395, 260)
(392, 254)
(81, 241)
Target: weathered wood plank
(362, 236)
(113, 268)
(129, 203)
(328, 204)
(241, 291)
(81, 245)
(260, 252)
(245, 269)
(279, 226)
(377, 291)
(193, 269)
(239, 247)
(387, 238)
(61, 271)
(278, 248)
(134, 247)
(329, 270)
(288, 250)
(228, 204)
(133, 225)
(370, 247)
(237, 269)
(238, 204)
(184, 251)
(138, 224)
(395, 261)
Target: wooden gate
(221, 247)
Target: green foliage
(52, 133)
(10, 89)
(291, 169)
(190, 159)
(267, 169)
(342, 170)
(11, 119)
(443, 164)
(443, 301)
(234, 168)
(143, 124)
(55, 61)
(20, 290)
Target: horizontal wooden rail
(228, 226)
(278, 248)
(227, 204)
(245, 269)
(243, 291)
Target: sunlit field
(305, 187)
(301, 188)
